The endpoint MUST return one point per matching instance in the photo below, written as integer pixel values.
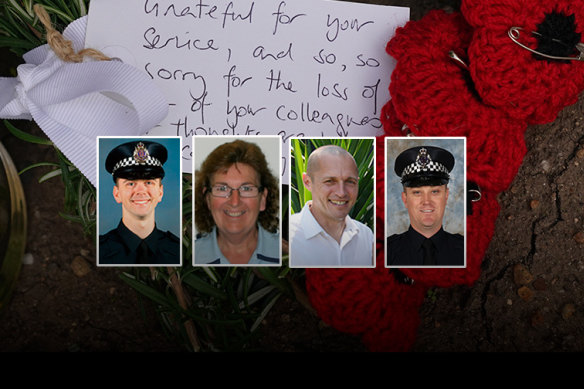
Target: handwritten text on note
(272, 67)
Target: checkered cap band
(130, 161)
(431, 166)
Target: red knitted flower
(370, 302)
(480, 225)
(433, 96)
(510, 78)
(479, 232)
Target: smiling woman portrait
(237, 203)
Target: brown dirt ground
(539, 227)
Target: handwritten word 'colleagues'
(341, 121)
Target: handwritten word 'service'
(270, 67)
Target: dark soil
(57, 307)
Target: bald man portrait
(323, 234)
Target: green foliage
(431, 295)
(362, 150)
(80, 195)
(20, 29)
(226, 306)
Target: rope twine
(61, 46)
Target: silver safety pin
(457, 59)
(477, 193)
(514, 33)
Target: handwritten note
(272, 67)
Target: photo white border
(374, 146)
(277, 174)
(385, 217)
(180, 196)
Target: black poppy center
(557, 36)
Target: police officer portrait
(139, 203)
(425, 202)
(237, 201)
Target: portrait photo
(139, 201)
(332, 202)
(237, 201)
(425, 204)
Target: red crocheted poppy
(369, 302)
(527, 86)
(374, 303)
(480, 227)
(434, 96)
(479, 231)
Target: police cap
(424, 166)
(137, 160)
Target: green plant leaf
(39, 164)
(149, 292)
(202, 286)
(26, 136)
(256, 296)
(270, 275)
(264, 312)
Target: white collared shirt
(311, 246)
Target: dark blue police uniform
(406, 249)
(120, 246)
(424, 166)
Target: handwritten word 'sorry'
(308, 68)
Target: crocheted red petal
(368, 301)
(425, 79)
(479, 232)
(509, 77)
(433, 96)
(480, 227)
(402, 325)
(357, 301)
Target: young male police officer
(425, 173)
(136, 168)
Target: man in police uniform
(425, 173)
(137, 171)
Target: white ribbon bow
(73, 103)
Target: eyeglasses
(245, 191)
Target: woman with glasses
(236, 208)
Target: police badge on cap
(424, 166)
(137, 160)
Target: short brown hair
(223, 157)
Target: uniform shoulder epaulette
(393, 237)
(172, 236)
(105, 237)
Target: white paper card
(271, 67)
